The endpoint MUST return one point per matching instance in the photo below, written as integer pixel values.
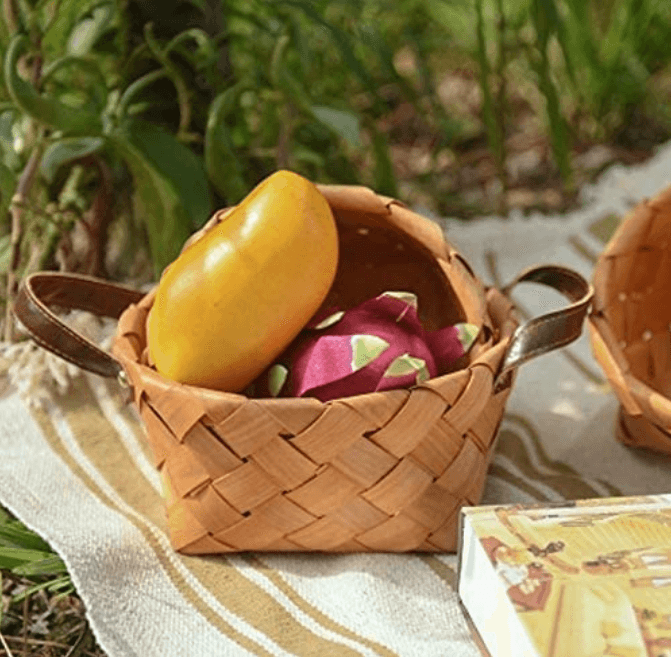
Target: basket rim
(488, 353)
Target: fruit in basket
(240, 293)
(378, 345)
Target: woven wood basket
(386, 471)
(630, 324)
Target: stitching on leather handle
(61, 326)
(38, 319)
(71, 359)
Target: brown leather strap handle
(554, 329)
(45, 290)
(42, 291)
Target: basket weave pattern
(630, 326)
(386, 471)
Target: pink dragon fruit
(378, 345)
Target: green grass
(41, 613)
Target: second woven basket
(630, 325)
(385, 471)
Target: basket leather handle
(41, 291)
(45, 290)
(551, 330)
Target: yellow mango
(236, 297)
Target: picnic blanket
(75, 467)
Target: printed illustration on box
(601, 583)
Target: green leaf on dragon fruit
(408, 298)
(277, 377)
(407, 364)
(330, 320)
(365, 349)
(467, 334)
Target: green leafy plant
(24, 554)
(68, 115)
(153, 115)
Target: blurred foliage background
(123, 125)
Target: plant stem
(501, 106)
(5, 646)
(16, 210)
(183, 96)
(10, 15)
(558, 133)
(24, 632)
(98, 219)
(492, 124)
(284, 138)
(214, 24)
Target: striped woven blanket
(75, 468)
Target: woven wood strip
(407, 428)
(364, 462)
(216, 458)
(378, 407)
(438, 448)
(385, 471)
(630, 326)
